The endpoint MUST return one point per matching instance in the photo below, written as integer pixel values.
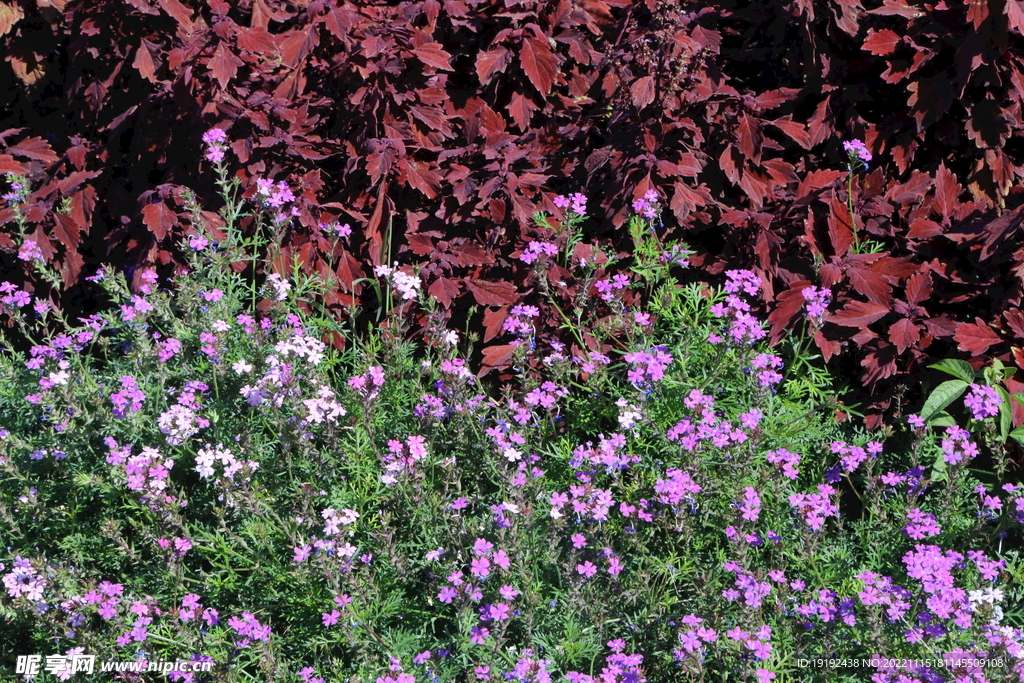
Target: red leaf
(977, 12)
(491, 62)
(34, 148)
(750, 139)
(919, 288)
(858, 314)
(159, 219)
(818, 127)
(788, 307)
(975, 338)
(521, 109)
(66, 231)
(642, 91)
(257, 39)
(727, 162)
(816, 180)
(1016, 321)
(881, 42)
(896, 8)
(840, 231)
(180, 13)
(870, 284)
(496, 358)
(144, 63)
(72, 267)
(1015, 15)
(491, 292)
(946, 192)
(423, 179)
(910, 191)
(879, 363)
(444, 290)
(827, 347)
(538, 63)
(9, 165)
(433, 55)
(493, 322)
(224, 65)
(795, 130)
(922, 229)
(904, 334)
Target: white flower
(514, 509)
(451, 337)
(241, 367)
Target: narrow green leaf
(944, 394)
(1005, 414)
(958, 368)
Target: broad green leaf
(938, 472)
(958, 368)
(1018, 435)
(944, 394)
(942, 419)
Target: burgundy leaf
(491, 292)
(491, 62)
(444, 290)
(794, 130)
(975, 338)
(858, 314)
(539, 64)
(881, 42)
(160, 219)
(919, 288)
(433, 55)
(224, 65)
(947, 190)
(643, 92)
(496, 358)
(904, 334)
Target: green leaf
(938, 472)
(958, 368)
(942, 419)
(1005, 414)
(944, 394)
(1018, 435)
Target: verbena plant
(221, 486)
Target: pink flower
(587, 569)
(330, 619)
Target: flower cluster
(957, 445)
(720, 434)
(30, 250)
(369, 383)
(19, 189)
(215, 139)
(249, 628)
(766, 364)
(535, 249)
(984, 401)
(206, 458)
(787, 460)
(817, 300)
(607, 287)
(607, 454)
(745, 328)
(578, 202)
(815, 507)
(678, 487)
(407, 285)
(518, 322)
(648, 366)
(24, 580)
(275, 197)
(129, 393)
(922, 525)
(647, 204)
(857, 151)
(324, 407)
(403, 457)
(279, 285)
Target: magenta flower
(331, 618)
(587, 569)
(480, 567)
